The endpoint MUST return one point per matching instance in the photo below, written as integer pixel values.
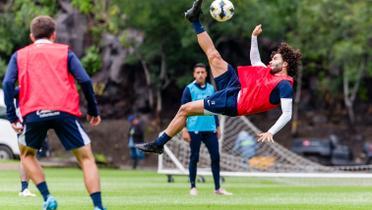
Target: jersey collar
(199, 86)
(43, 41)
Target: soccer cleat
(195, 11)
(193, 191)
(50, 203)
(98, 208)
(150, 147)
(26, 193)
(221, 191)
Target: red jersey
(257, 83)
(45, 81)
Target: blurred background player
(25, 192)
(48, 99)
(238, 94)
(202, 129)
(135, 136)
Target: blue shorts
(225, 100)
(67, 127)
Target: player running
(48, 99)
(254, 89)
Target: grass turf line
(147, 190)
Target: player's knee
(88, 158)
(214, 57)
(84, 157)
(27, 152)
(184, 110)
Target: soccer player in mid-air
(254, 89)
(48, 99)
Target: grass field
(148, 190)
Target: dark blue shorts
(225, 100)
(67, 127)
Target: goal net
(242, 155)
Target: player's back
(45, 82)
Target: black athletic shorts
(225, 100)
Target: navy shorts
(225, 100)
(67, 127)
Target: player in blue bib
(202, 129)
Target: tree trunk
(148, 83)
(164, 82)
(159, 104)
(295, 121)
(350, 95)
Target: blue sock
(43, 189)
(163, 139)
(198, 28)
(24, 185)
(97, 200)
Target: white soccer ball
(222, 10)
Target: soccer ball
(222, 10)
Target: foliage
(166, 32)
(334, 36)
(92, 60)
(14, 25)
(2, 67)
(84, 6)
(103, 15)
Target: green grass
(147, 190)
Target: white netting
(240, 154)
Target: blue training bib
(200, 123)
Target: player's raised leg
(179, 121)
(217, 64)
(174, 127)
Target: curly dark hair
(290, 55)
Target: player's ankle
(198, 27)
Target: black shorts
(225, 100)
(67, 127)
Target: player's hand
(186, 136)
(17, 127)
(218, 133)
(94, 121)
(265, 137)
(257, 30)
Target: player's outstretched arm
(285, 117)
(255, 53)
